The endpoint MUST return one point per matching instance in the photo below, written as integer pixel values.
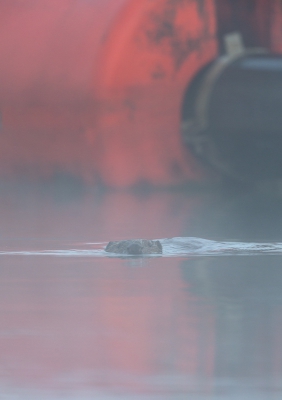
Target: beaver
(135, 247)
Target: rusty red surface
(95, 88)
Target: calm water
(78, 324)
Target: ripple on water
(172, 247)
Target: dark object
(233, 116)
(135, 247)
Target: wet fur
(135, 247)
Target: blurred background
(145, 119)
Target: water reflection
(154, 328)
(247, 300)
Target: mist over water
(203, 320)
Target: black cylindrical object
(233, 116)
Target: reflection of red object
(100, 323)
(95, 88)
(113, 326)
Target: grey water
(201, 321)
(171, 247)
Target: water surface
(202, 321)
